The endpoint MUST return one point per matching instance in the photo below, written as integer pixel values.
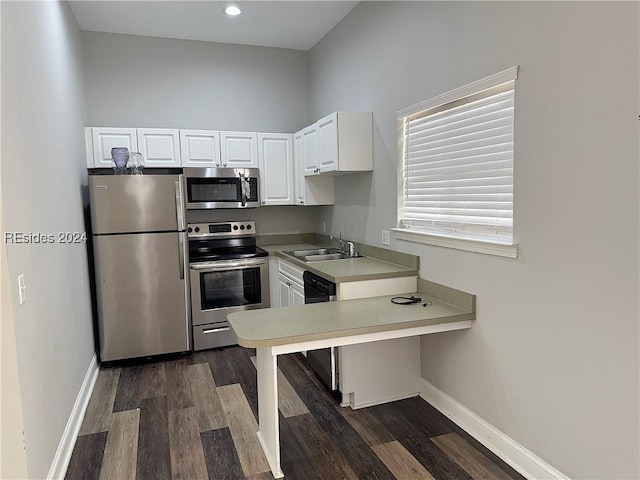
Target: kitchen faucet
(339, 242)
(345, 247)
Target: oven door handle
(215, 330)
(224, 265)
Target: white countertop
(344, 270)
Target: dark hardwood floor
(196, 417)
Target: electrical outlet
(22, 289)
(324, 226)
(385, 237)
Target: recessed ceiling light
(232, 11)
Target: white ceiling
(297, 25)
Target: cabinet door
(309, 150)
(160, 147)
(200, 148)
(239, 149)
(297, 294)
(298, 168)
(88, 146)
(327, 143)
(104, 139)
(275, 155)
(284, 287)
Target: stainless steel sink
(319, 254)
(313, 251)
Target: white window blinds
(457, 163)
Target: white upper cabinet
(160, 147)
(275, 157)
(310, 189)
(309, 150)
(104, 139)
(345, 142)
(298, 169)
(327, 143)
(200, 148)
(239, 149)
(88, 146)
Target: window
(456, 168)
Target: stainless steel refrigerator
(140, 251)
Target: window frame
(456, 240)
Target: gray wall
(159, 82)
(134, 81)
(42, 171)
(553, 359)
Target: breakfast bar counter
(276, 331)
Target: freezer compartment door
(136, 203)
(142, 295)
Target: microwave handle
(243, 189)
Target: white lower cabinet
(290, 292)
(378, 372)
(290, 284)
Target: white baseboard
(511, 452)
(65, 448)
(381, 401)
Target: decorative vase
(119, 157)
(136, 163)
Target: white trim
(518, 457)
(509, 250)
(499, 78)
(382, 401)
(60, 462)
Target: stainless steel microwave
(221, 188)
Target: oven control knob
(197, 229)
(235, 227)
(241, 227)
(189, 229)
(248, 227)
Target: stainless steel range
(229, 273)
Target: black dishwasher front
(325, 360)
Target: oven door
(222, 287)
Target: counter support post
(268, 425)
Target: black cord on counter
(410, 300)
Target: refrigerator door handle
(179, 206)
(181, 255)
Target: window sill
(459, 243)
